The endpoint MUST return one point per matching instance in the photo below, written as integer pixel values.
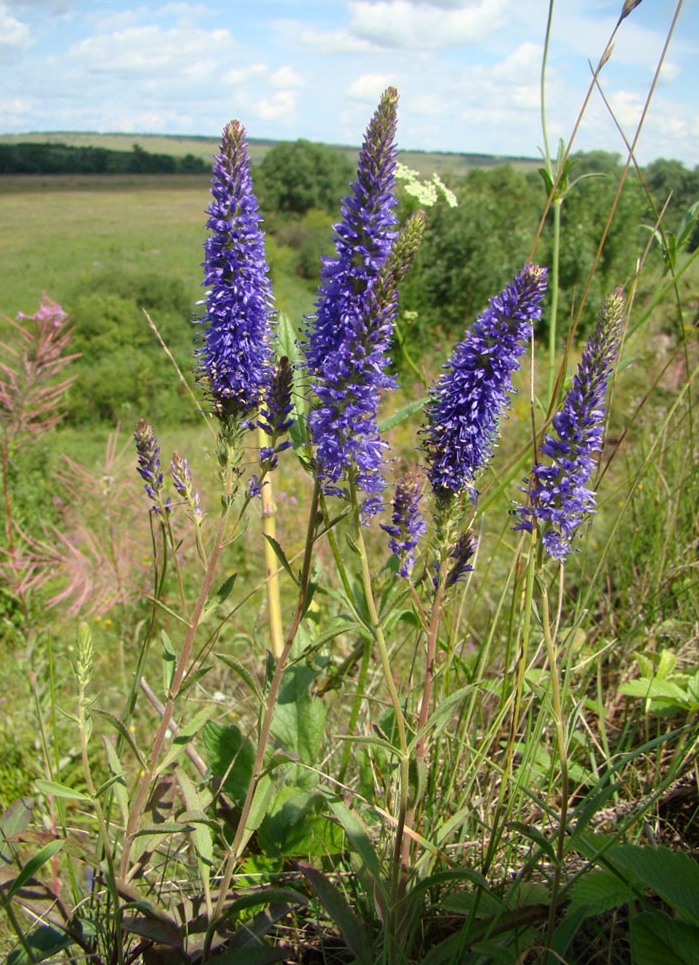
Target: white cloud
(14, 35)
(329, 42)
(370, 87)
(669, 73)
(151, 51)
(420, 26)
(286, 78)
(280, 105)
(241, 75)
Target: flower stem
(145, 782)
(551, 639)
(398, 870)
(241, 834)
(274, 609)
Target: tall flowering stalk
(235, 358)
(469, 398)
(559, 498)
(462, 418)
(346, 347)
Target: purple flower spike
(470, 397)
(559, 498)
(346, 347)
(182, 481)
(276, 416)
(235, 356)
(149, 468)
(407, 525)
(462, 554)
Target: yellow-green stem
(274, 607)
(551, 640)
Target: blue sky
(467, 70)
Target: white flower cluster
(427, 192)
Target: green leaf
(599, 891)
(43, 942)
(124, 732)
(242, 672)
(224, 590)
(529, 831)
(60, 790)
(657, 939)
(201, 833)
(293, 826)
(672, 875)
(298, 723)
(258, 809)
(230, 756)
(13, 821)
(32, 866)
(666, 663)
(265, 896)
(281, 556)
(192, 678)
(158, 931)
(361, 843)
(166, 609)
(286, 338)
(403, 413)
(654, 689)
(120, 791)
(169, 661)
(334, 902)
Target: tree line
(49, 158)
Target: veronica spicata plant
(429, 730)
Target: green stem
(241, 833)
(542, 88)
(83, 726)
(398, 870)
(559, 723)
(356, 708)
(524, 634)
(144, 784)
(554, 278)
(430, 657)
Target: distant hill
(178, 146)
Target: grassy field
(55, 231)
